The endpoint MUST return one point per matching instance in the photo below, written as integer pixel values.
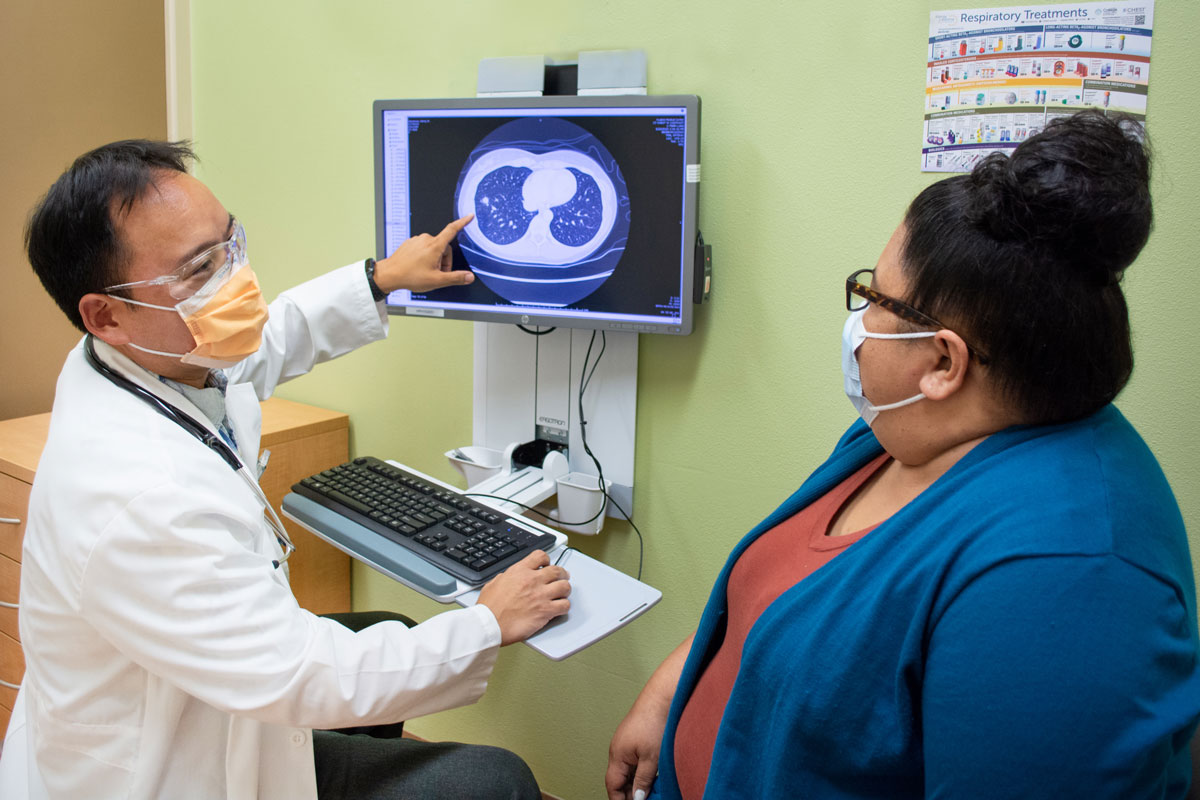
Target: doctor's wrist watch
(376, 292)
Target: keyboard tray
(470, 540)
(367, 546)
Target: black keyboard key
(348, 501)
(414, 523)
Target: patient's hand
(526, 596)
(633, 752)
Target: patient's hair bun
(1080, 189)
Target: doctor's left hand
(423, 263)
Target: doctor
(166, 655)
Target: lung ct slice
(499, 207)
(577, 220)
(551, 210)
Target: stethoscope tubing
(201, 433)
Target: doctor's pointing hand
(422, 263)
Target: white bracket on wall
(511, 76)
(603, 72)
(527, 387)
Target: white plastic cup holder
(475, 463)
(580, 498)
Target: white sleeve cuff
(488, 621)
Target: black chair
(357, 621)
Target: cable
(583, 383)
(537, 333)
(592, 518)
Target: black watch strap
(376, 292)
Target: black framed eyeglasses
(859, 295)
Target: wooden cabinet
(302, 440)
(21, 442)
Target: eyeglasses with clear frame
(189, 277)
(859, 295)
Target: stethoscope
(199, 431)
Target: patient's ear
(102, 319)
(948, 375)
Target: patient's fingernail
(640, 794)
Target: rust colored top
(774, 563)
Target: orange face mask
(225, 319)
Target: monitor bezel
(538, 316)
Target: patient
(985, 591)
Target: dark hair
(1026, 254)
(71, 237)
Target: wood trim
(177, 24)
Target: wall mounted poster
(996, 76)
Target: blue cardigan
(1025, 628)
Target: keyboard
(471, 541)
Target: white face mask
(853, 335)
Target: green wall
(810, 152)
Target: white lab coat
(165, 656)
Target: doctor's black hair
(71, 238)
(1024, 257)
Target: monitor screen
(585, 207)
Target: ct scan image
(551, 212)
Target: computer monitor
(585, 207)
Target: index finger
(450, 231)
